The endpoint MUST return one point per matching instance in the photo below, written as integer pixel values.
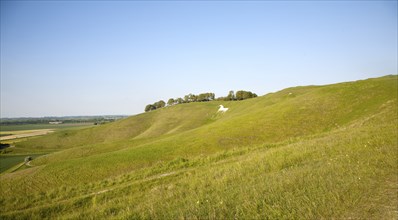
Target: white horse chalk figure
(222, 109)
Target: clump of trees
(156, 105)
(203, 97)
(239, 95)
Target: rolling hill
(303, 152)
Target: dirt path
(28, 164)
(128, 184)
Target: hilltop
(303, 152)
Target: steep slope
(197, 128)
(301, 123)
(291, 112)
(163, 121)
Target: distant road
(28, 133)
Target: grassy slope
(292, 150)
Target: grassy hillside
(303, 152)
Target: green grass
(7, 130)
(9, 161)
(321, 152)
(6, 162)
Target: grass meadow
(301, 153)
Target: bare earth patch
(27, 133)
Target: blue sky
(105, 57)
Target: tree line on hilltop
(203, 97)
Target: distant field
(43, 126)
(9, 135)
(5, 134)
(6, 162)
(12, 134)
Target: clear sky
(114, 57)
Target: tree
(202, 97)
(171, 102)
(180, 101)
(212, 96)
(186, 98)
(160, 104)
(149, 107)
(230, 96)
(193, 98)
(241, 95)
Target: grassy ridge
(146, 125)
(279, 156)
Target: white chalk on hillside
(222, 109)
